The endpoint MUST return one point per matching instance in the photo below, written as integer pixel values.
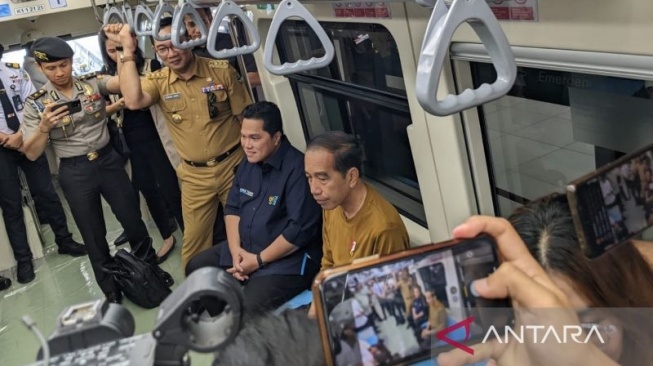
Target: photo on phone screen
(391, 312)
(613, 204)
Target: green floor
(62, 281)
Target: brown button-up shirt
(186, 103)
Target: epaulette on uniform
(155, 75)
(12, 65)
(37, 94)
(219, 64)
(88, 76)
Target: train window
(361, 98)
(87, 57)
(555, 126)
(366, 54)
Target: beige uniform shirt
(81, 132)
(185, 105)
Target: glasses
(164, 50)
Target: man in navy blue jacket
(274, 226)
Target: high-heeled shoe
(163, 258)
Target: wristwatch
(124, 58)
(261, 264)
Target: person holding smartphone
(522, 279)
(90, 169)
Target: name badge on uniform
(172, 96)
(212, 88)
(247, 192)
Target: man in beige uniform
(202, 101)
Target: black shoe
(25, 272)
(114, 297)
(122, 239)
(163, 258)
(5, 283)
(72, 248)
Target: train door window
(362, 92)
(555, 126)
(87, 58)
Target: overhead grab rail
(180, 34)
(228, 8)
(112, 14)
(159, 13)
(96, 13)
(143, 20)
(439, 32)
(288, 9)
(127, 14)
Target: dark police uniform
(271, 199)
(90, 168)
(15, 86)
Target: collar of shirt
(276, 159)
(195, 68)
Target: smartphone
(612, 204)
(395, 310)
(74, 106)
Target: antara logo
(535, 334)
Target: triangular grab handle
(435, 49)
(179, 32)
(160, 10)
(288, 9)
(128, 15)
(113, 14)
(143, 20)
(229, 8)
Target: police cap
(50, 49)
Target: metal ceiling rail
(439, 33)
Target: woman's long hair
(110, 66)
(620, 278)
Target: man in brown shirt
(202, 101)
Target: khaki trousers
(201, 188)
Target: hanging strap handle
(288, 9)
(159, 13)
(440, 30)
(143, 20)
(179, 33)
(229, 8)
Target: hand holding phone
(390, 310)
(614, 203)
(74, 106)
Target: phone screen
(615, 203)
(390, 313)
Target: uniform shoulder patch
(155, 75)
(12, 65)
(37, 94)
(219, 64)
(88, 76)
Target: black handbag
(141, 282)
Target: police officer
(15, 86)
(202, 101)
(90, 168)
